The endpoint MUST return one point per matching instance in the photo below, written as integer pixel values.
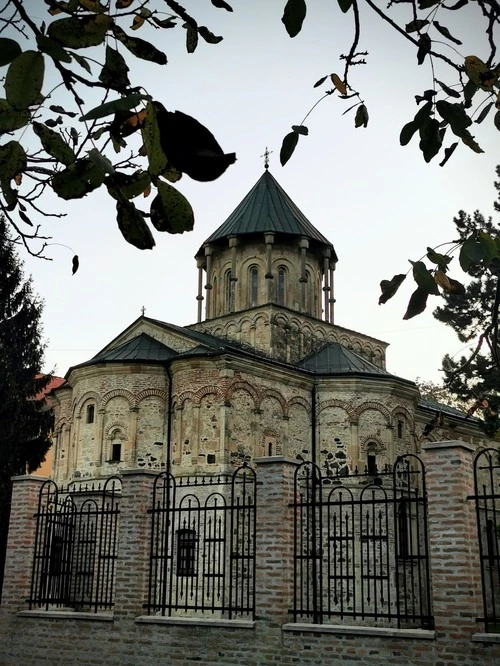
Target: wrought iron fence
(487, 499)
(202, 557)
(361, 547)
(76, 546)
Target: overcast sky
(379, 204)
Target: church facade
(265, 370)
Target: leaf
(442, 260)
(423, 115)
(9, 50)
(208, 36)
(479, 73)
(416, 25)
(24, 79)
(300, 129)
(457, 5)
(446, 33)
(390, 287)
(320, 81)
(190, 147)
(13, 161)
(80, 33)
(470, 89)
(424, 278)
(424, 46)
(427, 96)
(483, 113)
(77, 180)
(345, 5)
(407, 133)
(425, 4)
(114, 74)
(58, 109)
(52, 48)
(54, 144)
(137, 23)
(133, 226)
(102, 163)
(164, 23)
(293, 16)
(139, 47)
(288, 146)
(455, 115)
(171, 211)
(417, 303)
(191, 38)
(25, 218)
(489, 246)
(75, 264)
(361, 118)
(431, 139)
(152, 141)
(449, 91)
(220, 4)
(448, 152)
(339, 84)
(442, 280)
(12, 119)
(83, 62)
(471, 252)
(122, 104)
(123, 4)
(496, 120)
(128, 185)
(469, 140)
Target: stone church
(265, 370)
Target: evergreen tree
(25, 420)
(475, 378)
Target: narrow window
(403, 546)
(229, 289)
(270, 449)
(400, 429)
(90, 413)
(215, 297)
(211, 458)
(371, 460)
(280, 296)
(186, 552)
(254, 285)
(116, 453)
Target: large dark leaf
(9, 49)
(293, 16)
(171, 211)
(424, 278)
(190, 147)
(431, 139)
(220, 4)
(80, 33)
(24, 79)
(448, 152)
(77, 180)
(52, 48)
(12, 119)
(361, 118)
(455, 115)
(114, 74)
(442, 260)
(424, 46)
(390, 287)
(133, 226)
(449, 91)
(54, 144)
(152, 141)
(108, 108)
(208, 36)
(127, 185)
(417, 303)
(288, 146)
(446, 33)
(407, 133)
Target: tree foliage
(73, 120)
(25, 421)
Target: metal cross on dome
(266, 157)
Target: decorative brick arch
(364, 441)
(181, 399)
(272, 393)
(243, 321)
(260, 316)
(351, 413)
(90, 395)
(367, 351)
(116, 425)
(244, 386)
(377, 406)
(208, 390)
(61, 423)
(404, 412)
(159, 393)
(298, 400)
(119, 393)
(320, 334)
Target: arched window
(186, 552)
(371, 459)
(228, 291)
(281, 286)
(253, 285)
(90, 413)
(400, 429)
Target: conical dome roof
(268, 208)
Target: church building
(265, 370)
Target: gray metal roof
(268, 208)
(335, 359)
(142, 348)
(446, 409)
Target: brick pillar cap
(30, 477)
(451, 444)
(268, 460)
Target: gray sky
(377, 202)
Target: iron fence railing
(487, 501)
(202, 558)
(361, 547)
(76, 546)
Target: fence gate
(487, 499)
(76, 546)
(361, 547)
(203, 545)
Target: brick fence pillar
(454, 549)
(20, 544)
(132, 566)
(274, 566)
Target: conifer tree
(475, 377)
(25, 420)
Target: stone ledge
(267, 460)
(67, 615)
(485, 638)
(353, 630)
(450, 444)
(195, 621)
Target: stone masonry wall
(127, 637)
